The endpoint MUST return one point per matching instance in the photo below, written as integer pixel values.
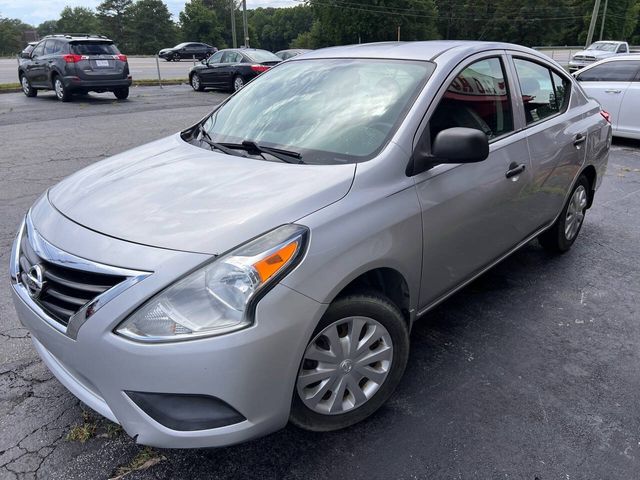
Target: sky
(36, 11)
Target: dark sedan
(230, 69)
(187, 50)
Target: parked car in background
(266, 264)
(188, 50)
(231, 69)
(74, 63)
(597, 51)
(292, 52)
(615, 84)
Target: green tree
(112, 14)
(149, 27)
(200, 24)
(275, 28)
(11, 35)
(78, 20)
(48, 27)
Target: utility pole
(398, 32)
(592, 25)
(232, 5)
(245, 27)
(604, 15)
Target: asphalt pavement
(531, 372)
(141, 68)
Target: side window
(477, 98)
(49, 46)
(562, 91)
(216, 58)
(57, 47)
(622, 49)
(538, 93)
(618, 71)
(39, 50)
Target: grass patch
(145, 458)
(15, 87)
(85, 431)
(9, 86)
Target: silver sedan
(266, 264)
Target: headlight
(218, 298)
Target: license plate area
(102, 63)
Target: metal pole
(245, 27)
(592, 25)
(604, 15)
(398, 32)
(233, 22)
(158, 66)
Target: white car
(615, 84)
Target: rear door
(557, 127)
(472, 214)
(629, 116)
(98, 60)
(607, 83)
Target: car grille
(65, 290)
(584, 58)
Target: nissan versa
(266, 264)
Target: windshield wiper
(288, 156)
(206, 138)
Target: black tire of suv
(554, 239)
(374, 305)
(30, 91)
(62, 92)
(121, 93)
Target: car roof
(426, 50)
(74, 37)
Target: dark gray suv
(71, 64)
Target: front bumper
(575, 65)
(252, 370)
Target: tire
(563, 233)
(238, 83)
(27, 88)
(196, 83)
(62, 92)
(319, 405)
(176, 58)
(121, 93)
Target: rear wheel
(121, 93)
(563, 233)
(353, 363)
(62, 92)
(176, 57)
(196, 83)
(28, 90)
(238, 83)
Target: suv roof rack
(76, 35)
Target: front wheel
(196, 83)
(62, 92)
(563, 233)
(27, 88)
(121, 93)
(353, 363)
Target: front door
(472, 214)
(208, 75)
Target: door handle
(613, 91)
(515, 169)
(579, 140)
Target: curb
(140, 83)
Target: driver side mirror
(25, 55)
(452, 145)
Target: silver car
(266, 264)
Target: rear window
(262, 56)
(94, 48)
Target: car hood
(165, 50)
(172, 194)
(595, 53)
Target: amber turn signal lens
(268, 266)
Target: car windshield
(262, 56)
(328, 110)
(604, 46)
(94, 48)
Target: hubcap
(345, 365)
(59, 89)
(25, 85)
(238, 83)
(575, 213)
(195, 81)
